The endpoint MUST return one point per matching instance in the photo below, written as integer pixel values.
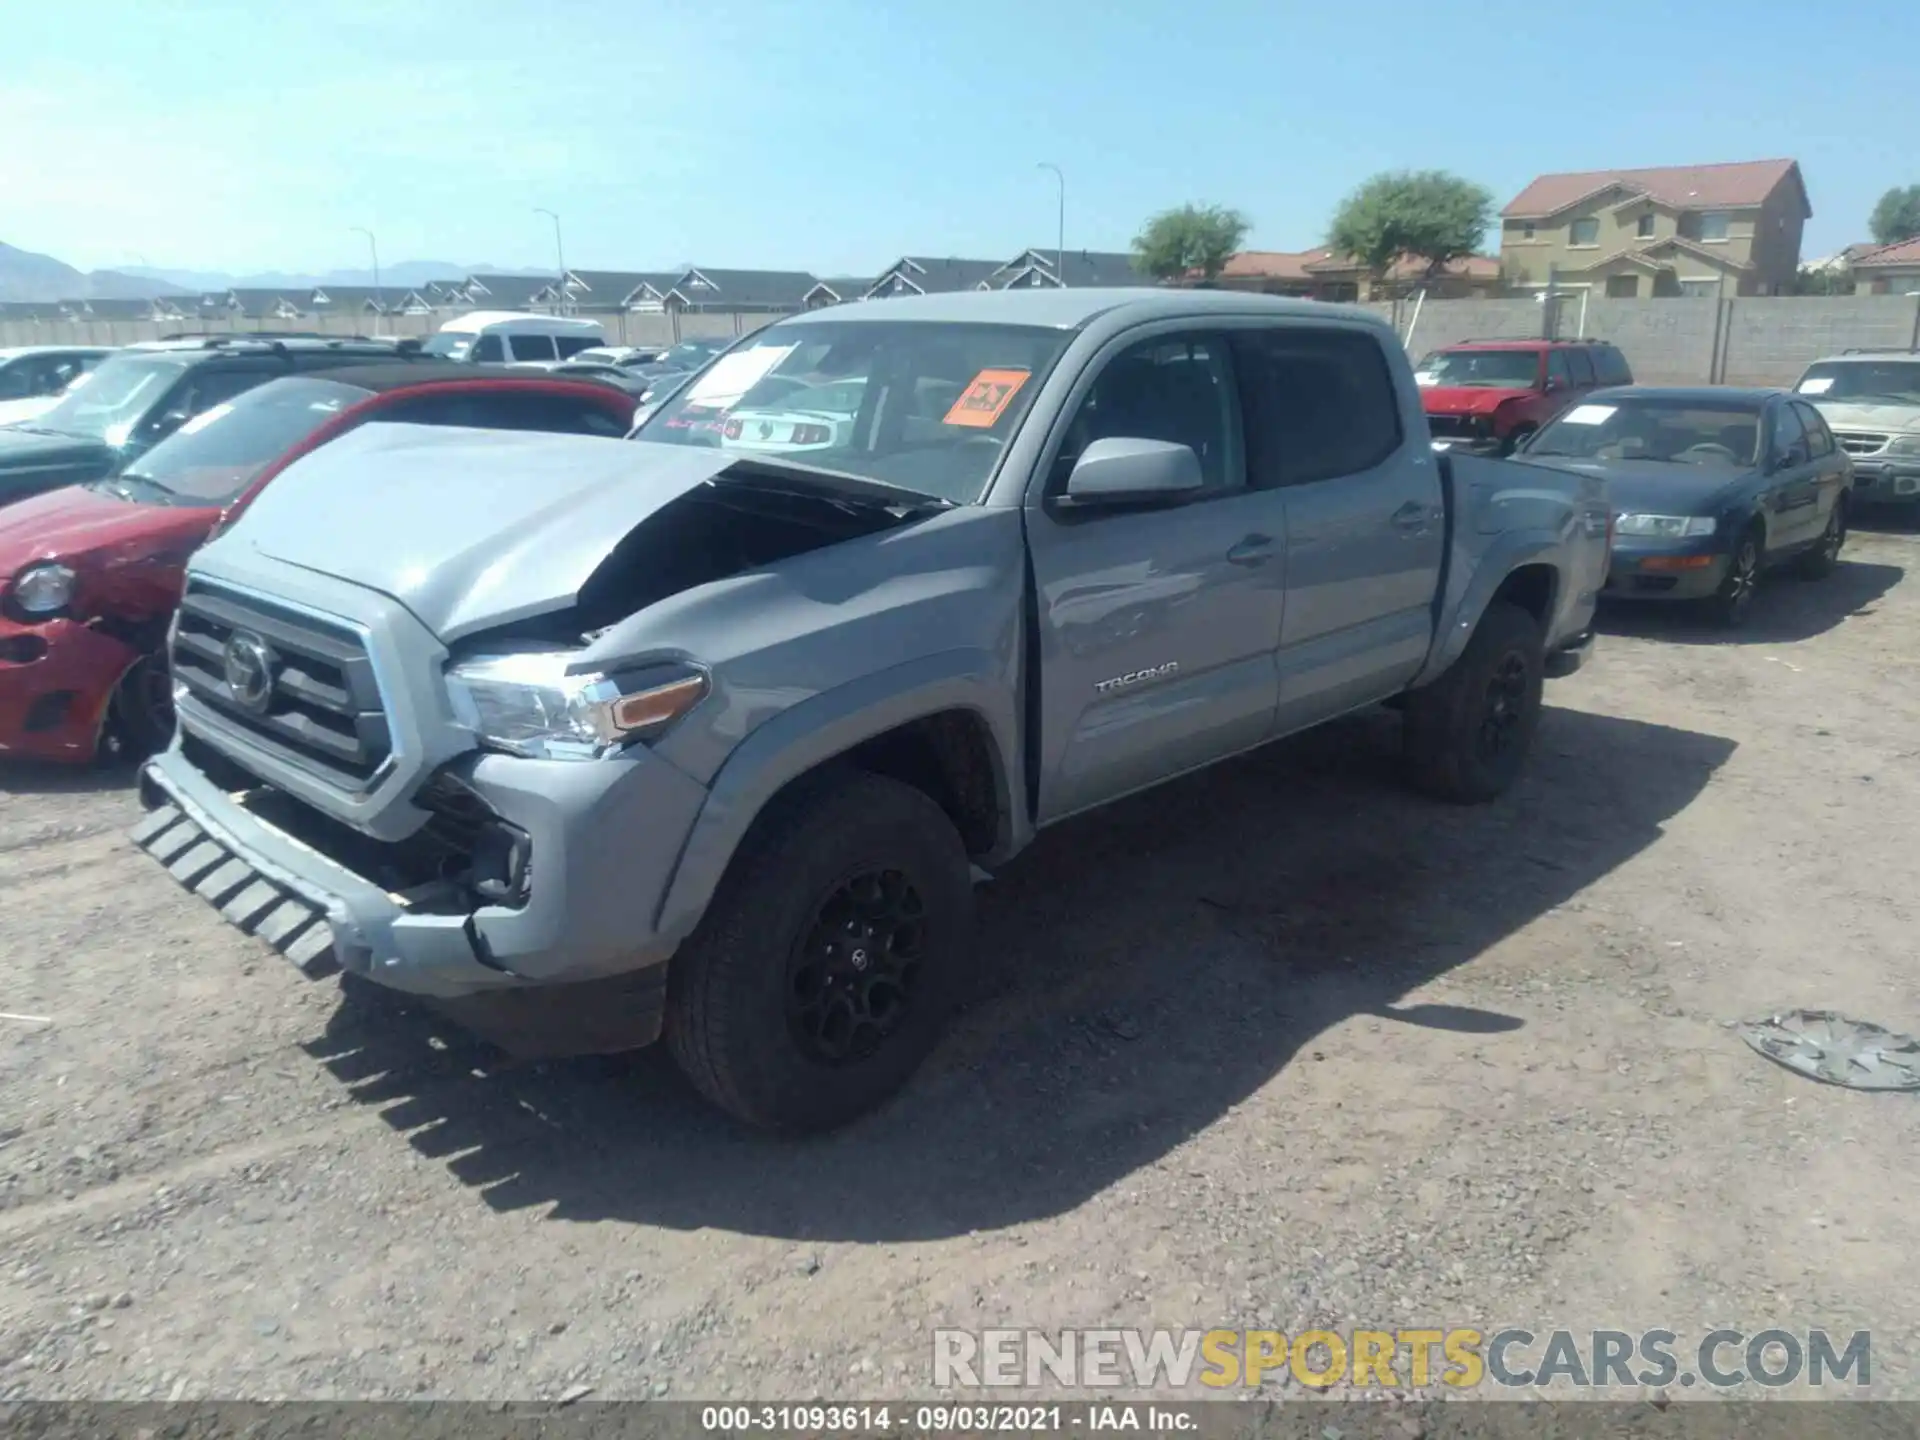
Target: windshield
(1885, 382)
(113, 399)
(1683, 432)
(218, 453)
(1507, 369)
(924, 405)
(689, 355)
(450, 344)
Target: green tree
(1897, 216)
(1190, 237)
(1428, 214)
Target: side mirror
(171, 421)
(1120, 471)
(1554, 382)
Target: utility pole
(559, 257)
(1060, 234)
(379, 300)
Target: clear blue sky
(834, 135)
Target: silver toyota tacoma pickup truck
(710, 732)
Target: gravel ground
(1277, 1045)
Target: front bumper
(1886, 481)
(56, 679)
(604, 839)
(1682, 570)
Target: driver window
(1789, 436)
(1174, 388)
(1557, 367)
(488, 349)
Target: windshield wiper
(128, 484)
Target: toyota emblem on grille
(249, 671)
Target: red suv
(1492, 394)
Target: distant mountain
(27, 276)
(406, 272)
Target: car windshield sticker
(1819, 385)
(986, 398)
(1425, 377)
(731, 376)
(205, 418)
(1588, 415)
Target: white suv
(1871, 401)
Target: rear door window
(1319, 403)
(571, 345)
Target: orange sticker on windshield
(986, 398)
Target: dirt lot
(1274, 1045)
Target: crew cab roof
(1070, 309)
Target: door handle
(1411, 516)
(1253, 550)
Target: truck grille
(302, 688)
(1855, 442)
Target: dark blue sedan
(1711, 487)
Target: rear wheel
(1468, 734)
(1824, 558)
(829, 960)
(1733, 601)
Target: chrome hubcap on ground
(852, 976)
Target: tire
(769, 987)
(1469, 732)
(1733, 601)
(1824, 558)
(140, 714)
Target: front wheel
(1733, 601)
(1824, 558)
(140, 714)
(826, 966)
(1468, 734)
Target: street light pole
(559, 256)
(1060, 235)
(379, 300)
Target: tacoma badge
(1135, 677)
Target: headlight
(43, 589)
(1905, 445)
(527, 704)
(1666, 527)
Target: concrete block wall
(1770, 341)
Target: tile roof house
(933, 275)
(1888, 269)
(1730, 229)
(254, 304)
(122, 309)
(1325, 275)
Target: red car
(90, 575)
(1492, 394)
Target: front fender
(823, 726)
(1476, 578)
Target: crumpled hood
(1890, 419)
(80, 528)
(1467, 399)
(469, 529)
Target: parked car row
(32, 377)
(705, 734)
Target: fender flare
(1459, 616)
(807, 735)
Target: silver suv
(1871, 402)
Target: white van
(507, 337)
